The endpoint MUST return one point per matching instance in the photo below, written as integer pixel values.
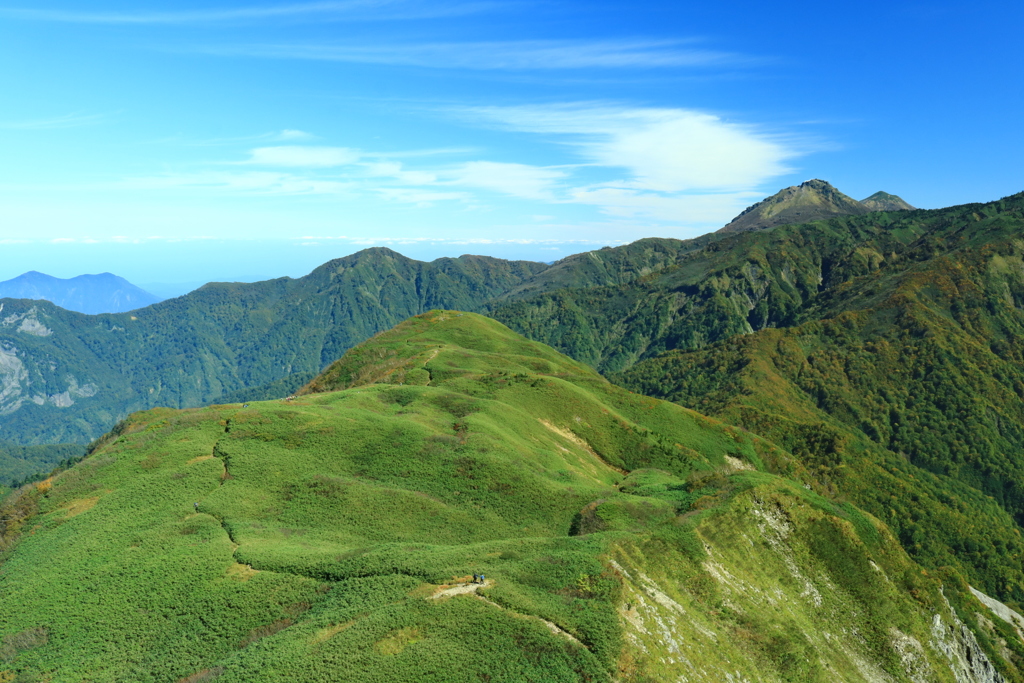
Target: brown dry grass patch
(80, 505)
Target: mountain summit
(883, 201)
(103, 293)
(813, 200)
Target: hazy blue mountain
(103, 293)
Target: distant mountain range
(813, 200)
(103, 293)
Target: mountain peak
(883, 201)
(812, 200)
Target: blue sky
(190, 141)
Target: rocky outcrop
(967, 660)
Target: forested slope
(901, 386)
(729, 285)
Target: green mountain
(67, 377)
(884, 354)
(732, 284)
(335, 536)
(900, 387)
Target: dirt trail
(571, 437)
(470, 588)
(461, 589)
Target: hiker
(474, 578)
(197, 507)
(481, 578)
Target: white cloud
(665, 150)
(673, 165)
(502, 55)
(395, 170)
(518, 180)
(303, 157)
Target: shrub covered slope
(334, 537)
(901, 385)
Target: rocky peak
(812, 200)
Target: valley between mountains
(802, 462)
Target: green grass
(325, 524)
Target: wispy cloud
(396, 171)
(672, 165)
(55, 122)
(517, 180)
(420, 197)
(337, 11)
(298, 156)
(286, 135)
(252, 182)
(506, 55)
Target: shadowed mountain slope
(104, 293)
(334, 537)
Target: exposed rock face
(12, 374)
(883, 201)
(759, 570)
(1011, 617)
(810, 201)
(966, 658)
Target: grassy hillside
(903, 390)
(334, 536)
(67, 377)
